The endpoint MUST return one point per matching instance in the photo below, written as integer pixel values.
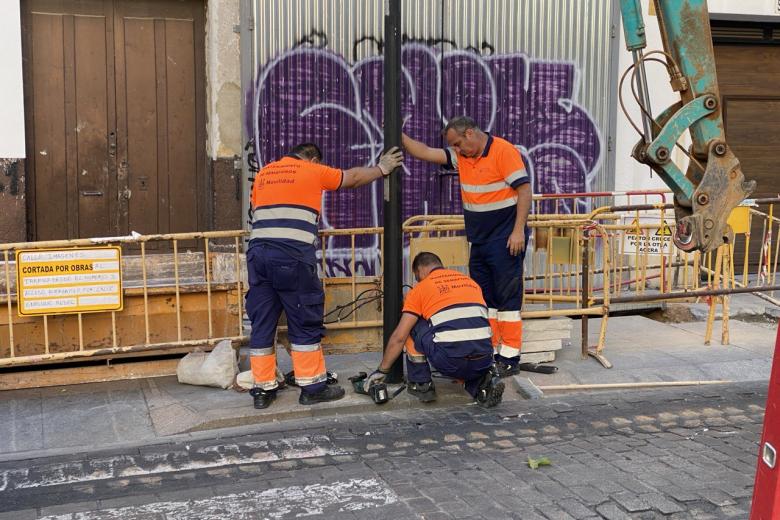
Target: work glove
(390, 160)
(377, 376)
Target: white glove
(377, 376)
(390, 160)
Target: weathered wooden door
(747, 76)
(115, 116)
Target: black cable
(358, 298)
(341, 308)
(354, 309)
(352, 306)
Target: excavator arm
(714, 183)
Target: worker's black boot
(491, 389)
(263, 398)
(289, 378)
(329, 393)
(505, 369)
(425, 392)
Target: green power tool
(377, 391)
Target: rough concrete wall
(223, 75)
(12, 202)
(224, 78)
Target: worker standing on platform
(282, 266)
(496, 194)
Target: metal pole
(641, 77)
(585, 290)
(688, 294)
(393, 266)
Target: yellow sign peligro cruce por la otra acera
(66, 281)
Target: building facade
(123, 116)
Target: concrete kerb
(270, 422)
(182, 413)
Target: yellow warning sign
(634, 225)
(64, 281)
(664, 230)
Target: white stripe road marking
(272, 504)
(124, 466)
(474, 311)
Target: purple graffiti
(311, 94)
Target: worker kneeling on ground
(282, 267)
(444, 323)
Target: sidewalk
(62, 419)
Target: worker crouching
(445, 325)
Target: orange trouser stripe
(496, 337)
(493, 319)
(412, 353)
(309, 367)
(511, 333)
(264, 370)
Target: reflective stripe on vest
(284, 222)
(516, 175)
(483, 188)
(490, 206)
(305, 348)
(451, 336)
(456, 313)
(509, 316)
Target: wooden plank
(48, 126)
(139, 129)
(160, 269)
(71, 194)
(96, 327)
(164, 192)
(178, 60)
(88, 374)
(93, 116)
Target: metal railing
(578, 265)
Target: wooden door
(115, 108)
(160, 115)
(748, 76)
(71, 118)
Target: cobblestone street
(670, 453)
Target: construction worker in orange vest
(444, 323)
(282, 266)
(496, 194)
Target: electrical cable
(646, 111)
(632, 68)
(359, 301)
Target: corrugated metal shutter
(536, 72)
